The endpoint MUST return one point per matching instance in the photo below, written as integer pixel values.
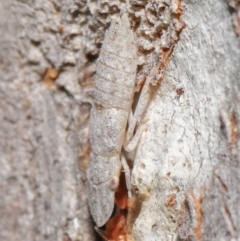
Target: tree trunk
(186, 166)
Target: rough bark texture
(190, 177)
(186, 168)
(44, 132)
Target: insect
(113, 97)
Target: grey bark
(186, 167)
(44, 132)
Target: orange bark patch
(179, 91)
(49, 77)
(116, 229)
(171, 200)
(234, 129)
(60, 29)
(140, 84)
(121, 196)
(197, 202)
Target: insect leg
(131, 145)
(130, 118)
(141, 106)
(127, 175)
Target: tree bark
(190, 149)
(186, 167)
(44, 128)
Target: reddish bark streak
(197, 202)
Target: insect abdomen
(114, 89)
(116, 67)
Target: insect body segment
(113, 96)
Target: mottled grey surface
(113, 97)
(44, 131)
(184, 145)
